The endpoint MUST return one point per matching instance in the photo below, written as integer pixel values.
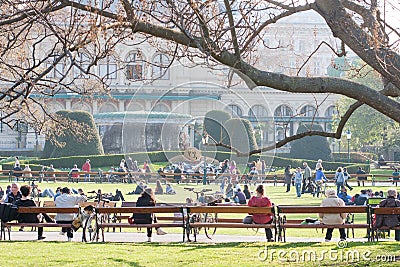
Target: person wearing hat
(66, 200)
(332, 200)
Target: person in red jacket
(86, 168)
(261, 218)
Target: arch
(54, 106)
(283, 111)
(134, 106)
(309, 111)
(160, 107)
(330, 111)
(258, 111)
(82, 106)
(135, 65)
(160, 64)
(234, 110)
(108, 107)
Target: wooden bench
(383, 211)
(227, 222)
(284, 223)
(6, 226)
(177, 221)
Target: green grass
(189, 254)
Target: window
(160, 108)
(57, 70)
(258, 111)
(134, 66)
(234, 110)
(108, 69)
(331, 111)
(83, 61)
(283, 111)
(160, 67)
(309, 111)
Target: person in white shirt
(66, 200)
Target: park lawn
(190, 254)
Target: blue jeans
(339, 187)
(87, 177)
(298, 189)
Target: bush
(214, 121)
(310, 147)
(240, 135)
(75, 142)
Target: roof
(142, 116)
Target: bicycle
(210, 200)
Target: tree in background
(67, 138)
(310, 147)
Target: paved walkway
(141, 237)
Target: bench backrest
(230, 209)
(318, 209)
(47, 210)
(172, 209)
(386, 211)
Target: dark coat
(144, 200)
(27, 217)
(388, 220)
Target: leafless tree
(43, 40)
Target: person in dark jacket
(147, 199)
(389, 220)
(25, 201)
(246, 191)
(13, 195)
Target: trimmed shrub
(240, 135)
(82, 143)
(214, 121)
(310, 147)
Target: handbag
(248, 219)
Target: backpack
(8, 212)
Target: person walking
(339, 179)
(306, 177)
(298, 179)
(288, 178)
(332, 200)
(346, 177)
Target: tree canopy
(219, 32)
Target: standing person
(288, 178)
(395, 176)
(346, 177)
(66, 200)
(86, 168)
(306, 177)
(263, 167)
(16, 161)
(332, 200)
(261, 201)
(361, 178)
(319, 165)
(259, 166)
(129, 164)
(25, 201)
(339, 179)
(298, 179)
(389, 220)
(147, 199)
(320, 178)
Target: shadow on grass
(124, 261)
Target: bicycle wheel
(193, 230)
(210, 218)
(90, 229)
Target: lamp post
(339, 141)
(204, 140)
(348, 136)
